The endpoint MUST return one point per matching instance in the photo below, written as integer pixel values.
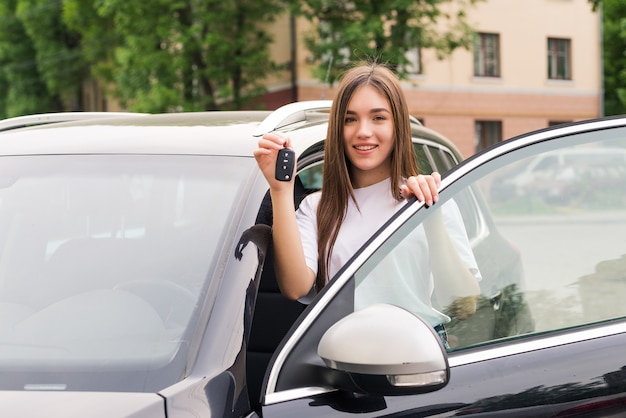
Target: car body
(135, 280)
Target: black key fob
(285, 164)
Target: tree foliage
(185, 55)
(161, 55)
(180, 55)
(39, 58)
(349, 31)
(614, 54)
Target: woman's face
(368, 135)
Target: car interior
(274, 314)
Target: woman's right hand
(266, 155)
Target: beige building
(535, 63)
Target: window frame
(487, 55)
(559, 58)
(487, 133)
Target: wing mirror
(386, 350)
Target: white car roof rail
(46, 118)
(290, 113)
(296, 112)
(415, 120)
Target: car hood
(81, 404)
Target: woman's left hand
(424, 187)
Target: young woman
(369, 172)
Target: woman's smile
(365, 147)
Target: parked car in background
(563, 175)
(136, 280)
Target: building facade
(535, 63)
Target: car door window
(311, 175)
(550, 251)
(568, 229)
(425, 163)
(443, 160)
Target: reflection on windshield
(103, 259)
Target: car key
(285, 164)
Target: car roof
(221, 133)
(233, 133)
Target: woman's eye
(349, 120)
(379, 117)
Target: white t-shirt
(403, 278)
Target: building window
(559, 59)
(487, 133)
(487, 55)
(414, 61)
(557, 122)
(329, 37)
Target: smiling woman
(369, 171)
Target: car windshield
(103, 261)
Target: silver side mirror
(386, 350)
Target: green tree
(38, 61)
(179, 55)
(614, 54)
(58, 56)
(348, 31)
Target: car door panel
(545, 382)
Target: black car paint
(507, 386)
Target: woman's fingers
(268, 146)
(437, 178)
(423, 187)
(274, 140)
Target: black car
(136, 280)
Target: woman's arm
(294, 278)
(456, 286)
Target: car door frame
(275, 400)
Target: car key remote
(285, 164)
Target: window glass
(413, 58)
(311, 176)
(443, 160)
(83, 233)
(424, 162)
(487, 133)
(563, 211)
(559, 62)
(541, 229)
(487, 55)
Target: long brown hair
(336, 184)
